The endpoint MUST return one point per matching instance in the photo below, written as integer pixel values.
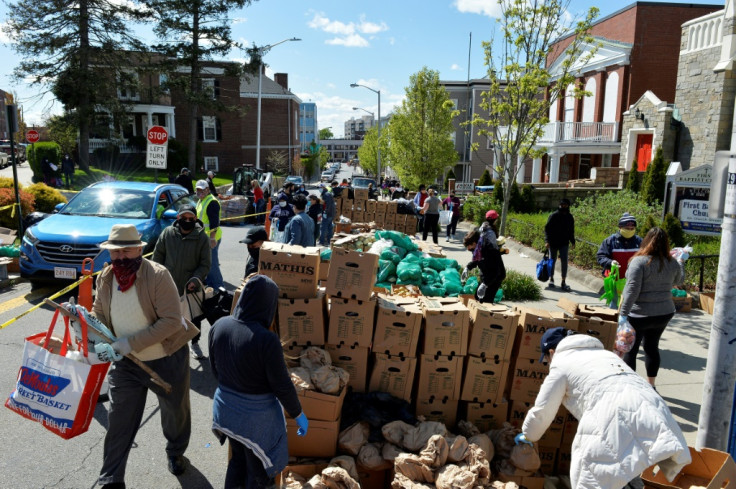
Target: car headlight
(30, 237)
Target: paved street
(35, 458)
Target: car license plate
(68, 273)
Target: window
(607, 160)
(128, 85)
(610, 98)
(211, 163)
(553, 111)
(163, 82)
(210, 87)
(209, 128)
(589, 101)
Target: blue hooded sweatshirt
(253, 382)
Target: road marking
(25, 299)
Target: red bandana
(125, 270)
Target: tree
(652, 190)
(485, 178)
(517, 69)
(368, 151)
(326, 133)
(64, 44)
(278, 162)
(634, 181)
(189, 33)
(450, 175)
(420, 131)
(63, 131)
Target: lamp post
(261, 52)
(378, 163)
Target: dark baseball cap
(254, 235)
(551, 338)
(187, 208)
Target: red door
(643, 151)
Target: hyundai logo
(66, 248)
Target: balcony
(104, 143)
(579, 132)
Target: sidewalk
(684, 345)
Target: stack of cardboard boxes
(384, 213)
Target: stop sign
(157, 135)
(32, 136)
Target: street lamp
(377, 92)
(261, 52)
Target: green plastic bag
(471, 285)
(10, 251)
(679, 293)
(325, 255)
(399, 239)
(433, 290)
(386, 270)
(439, 264)
(613, 286)
(414, 257)
(384, 285)
(499, 296)
(429, 276)
(408, 272)
(389, 255)
(451, 280)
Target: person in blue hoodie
(300, 229)
(253, 383)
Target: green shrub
(633, 183)
(35, 153)
(515, 202)
(9, 219)
(45, 197)
(672, 226)
(485, 178)
(498, 192)
(7, 182)
(528, 204)
(649, 222)
(450, 174)
(652, 190)
(476, 206)
(520, 287)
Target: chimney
(282, 79)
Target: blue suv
(54, 248)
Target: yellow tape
(8, 206)
(241, 217)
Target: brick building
(638, 52)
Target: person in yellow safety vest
(208, 211)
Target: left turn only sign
(157, 149)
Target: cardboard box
(302, 321)
(484, 380)
(358, 216)
(320, 406)
(603, 330)
(320, 440)
(564, 456)
(382, 206)
(370, 216)
(371, 206)
(372, 479)
(359, 204)
(492, 333)
(442, 410)
(306, 470)
(683, 304)
(351, 322)
(292, 355)
(392, 207)
(548, 457)
(707, 301)
(529, 482)
(526, 379)
(446, 326)
(7, 236)
(569, 430)
(354, 360)
(380, 220)
(440, 377)
(485, 415)
(552, 438)
(393, 374)
(531, 328)
(587, 310)
(360, 193)
(295, 269)
(324, 270)
(710, 468)
(352, 274)
(398, 324)
(389, 221)
(341, 227)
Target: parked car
(295, 179)
(54, 248)
(328, 174)
(363, 182)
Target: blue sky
(377, 43)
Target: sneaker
(551, 285)
(448, 239)
(453, 236)
(177, 464)
(565, 287)
(196, 351)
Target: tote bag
(445, 218)
(191, 303)
(55, 391)
(543, 267)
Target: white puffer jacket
(625, 426)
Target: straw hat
(122, 236)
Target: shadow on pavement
(682, 362)
(193, 478)
(688, 411)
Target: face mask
(124, 270)
(187, 225)
(282, 204)
(254, 252)
(627, 233)
(564, 209)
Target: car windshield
(108, 202)
(294, 179)
(363, 182)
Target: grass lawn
(83, 179)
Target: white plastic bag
(445, 218)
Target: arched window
(570, 103)
(611, 98)
(553, 111)
(589, 101)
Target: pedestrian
(208, 212)
(315, 212)
(559, 237)
(345, 183)
(624, 425)
(67, 168)
(647, 297)
(328, 215)
(431, 213)
(280, 217)
(211, 184)
(253, 384)
(452, 203)
(184, 249)
(419, 199)
(618, 248)
(487, 258)
(302, 191)
(47, 172)
(259, 201)
(254, 239)
(372, 193)
(138, 300)
(185, 180)
(300, 229)
(286, 193)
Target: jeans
(430, 224)
(325, 232)
(214, 277)
(261, 207)
(69, 178)
(245, 470)
(563, 251)
(452, 227)
(649, 330)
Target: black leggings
(245, 470)
(430, 225)
(649, 330)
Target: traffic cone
(268, 221)
(85, 287)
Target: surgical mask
(282, 204)
(627, 233)
(185, 225)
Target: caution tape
(13, 206)
(242, 217)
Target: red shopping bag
(58, 392)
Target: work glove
(521, 438)
(122, 346)
(106, 353)
(614, 262)
(303, 424)
(622, 319)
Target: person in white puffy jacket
(625, 426)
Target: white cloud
(346, 33)
(455, 67)
(238, 20)
(483, 7)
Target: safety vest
(202, 215)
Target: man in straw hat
(138, 300)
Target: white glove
(122, 346)
(614, 262)
(106, 353)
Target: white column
(149, 120)
(522, 170)
(554, 167)
(537, 170)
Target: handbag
(445, 218)
(217, 306)
(56, 391)
(191, 302)
(543, 267)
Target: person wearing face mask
(559, 237)
(138, 300)
(254, 239)
(314, 209)
(618, 249)
(300, 230)
(184, 249)
(302, 191)
(281, 215)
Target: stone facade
(657, 122)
